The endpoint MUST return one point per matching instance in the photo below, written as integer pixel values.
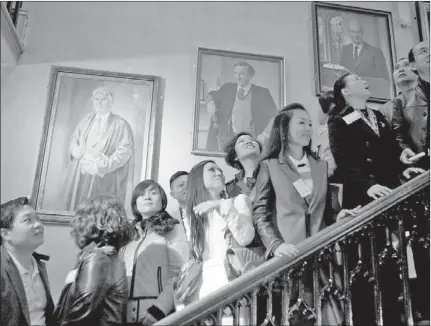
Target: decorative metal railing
(360, 265)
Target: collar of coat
(241, 174)
(422, 88)
(161, 223)
(36, 255)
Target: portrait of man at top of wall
(101, 153)
(239, 95)
(97, 140)
(354, 42)
(361, 58)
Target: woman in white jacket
(211, 217)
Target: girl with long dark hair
(292, 199)
(291, 188)
(211, 216)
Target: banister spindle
(301, 306)
(220, 316)
(285, 298)
(242, 316)
(253, 310)
(316, 289)
(377, 292)
(269, 317)
(408, 315)
(348, 314)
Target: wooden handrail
(272, 268)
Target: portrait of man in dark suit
(238, 106)
(356, 41)
(361, 58)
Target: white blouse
(235, 215)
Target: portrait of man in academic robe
(98, 139)
(101, 153)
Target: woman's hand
(348, 212)
(286, 249)
(377, 191)
(206, 207)
(405, 156)
(409, 172)
(147, 319)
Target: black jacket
(410, 121)
(363, 158)
(99, 294)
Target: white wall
(5, 72)
(153, 39)
(8, 55)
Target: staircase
(367, 250)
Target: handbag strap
(189, 241)
(195, 253)
(231, 272)
(135, 259)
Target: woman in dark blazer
(363, 144)
(367, 156)
(292, 200)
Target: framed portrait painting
(353, 40)
(423, 15)
(98, 139)
(235, 92)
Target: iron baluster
(361, 270)
(285, 299)
(301, 305)
(331, 289)
(317, 302)
(269, 318)
(408, 320)
(377, 292)
(242, 311)
(220, 316)
(254, 306)
(389, 252)
(348, 313)
(210, 320)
